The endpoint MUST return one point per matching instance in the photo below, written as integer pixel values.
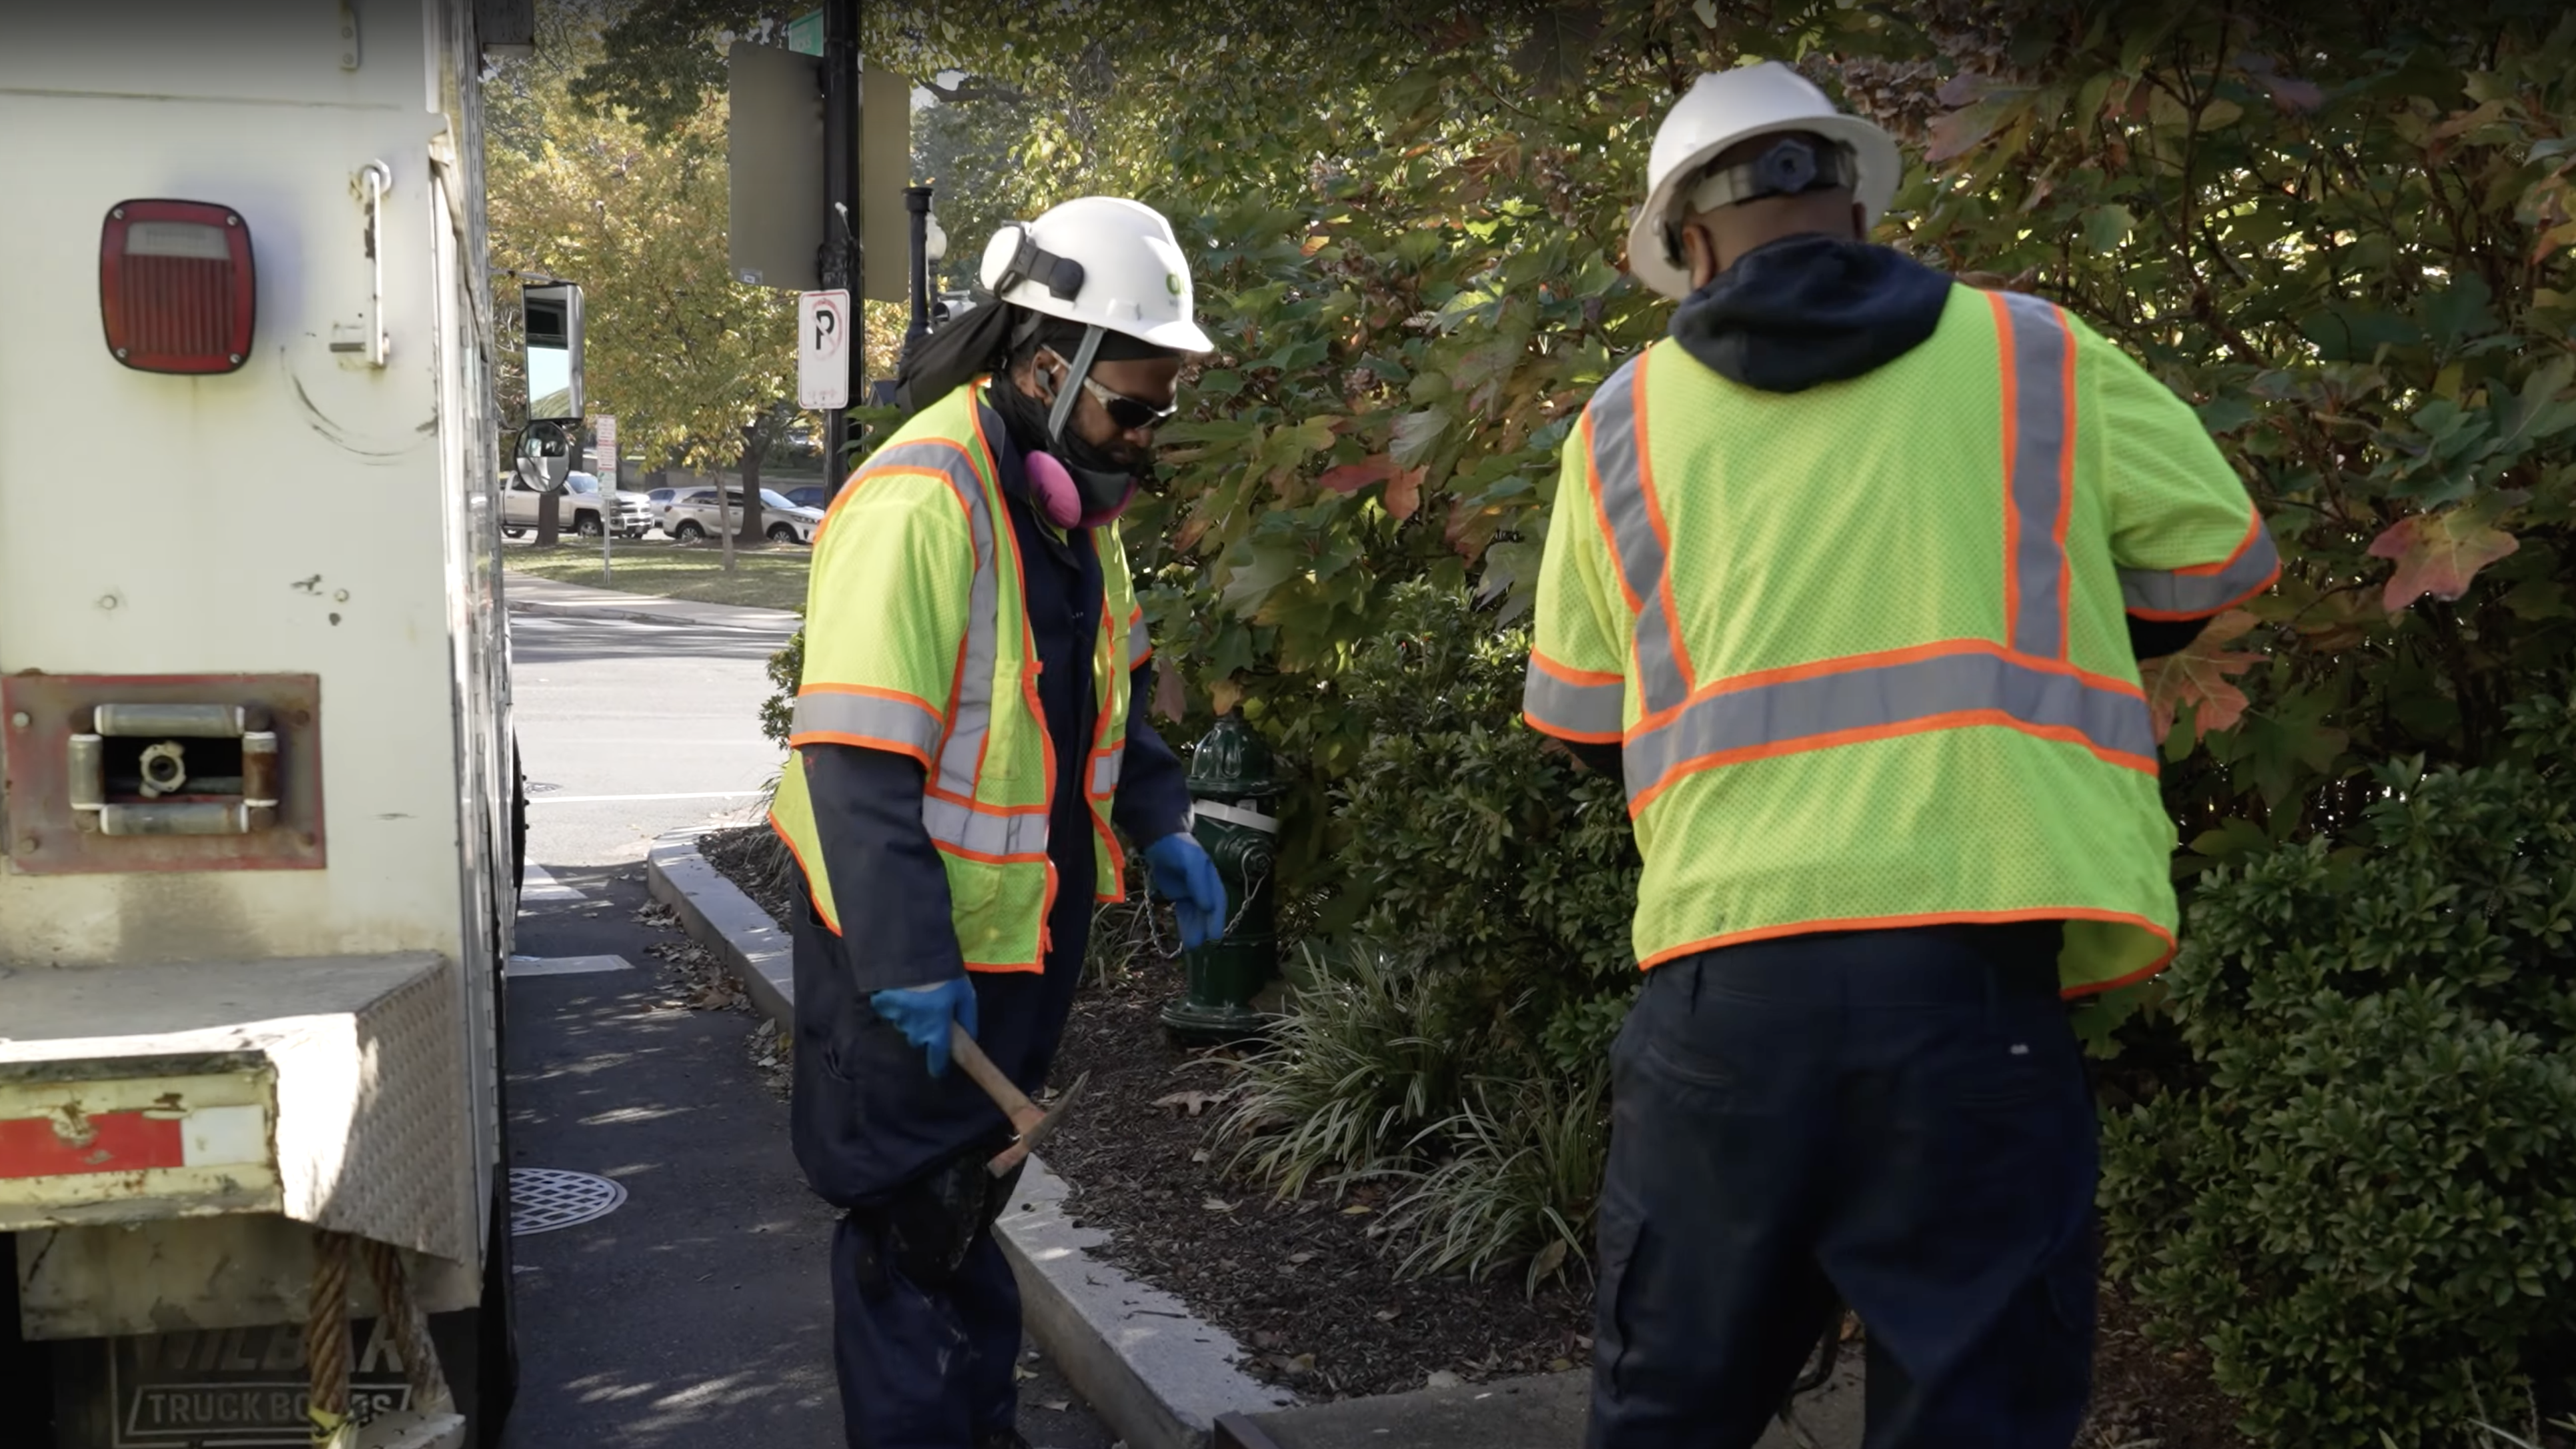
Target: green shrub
(1348, 1079)
(1521, 1179)
(1465, 839)
(2368, 1212)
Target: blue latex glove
(1184, 875)
(922, 1014)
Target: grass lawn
(768, 578)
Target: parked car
(693, 516)
(812, 495)
(578, 510)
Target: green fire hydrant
(1233, 779)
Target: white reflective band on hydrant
(1236, 815)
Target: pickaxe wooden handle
(1027, 1119)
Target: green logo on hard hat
(1173, 281)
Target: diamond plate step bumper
(327, 1089)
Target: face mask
(1076, 484)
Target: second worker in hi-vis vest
(1848, 579)
(970, 745)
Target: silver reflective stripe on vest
(1612, 423)
(1810, 712)
(1105, 770)
(1574, 709)
(1139, 644)
(2042, 486)
(900, 722)
(964, 748)
(2184, 595)
(980, 833)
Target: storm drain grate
(545, 1198)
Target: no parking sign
(823, 326)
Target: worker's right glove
(922, 1014)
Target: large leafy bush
(1493, 879)
(2368, 1213)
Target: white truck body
(212, 1045)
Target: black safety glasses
(1130, 414)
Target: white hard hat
(1724, 108)
(1102, 261)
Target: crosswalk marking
(681, 795)
(563, 965)
(536, 885)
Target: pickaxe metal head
(1030, 1122)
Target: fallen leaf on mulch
(1217, 1205)
(1549, 1259)
(1192, 1102)
(1055, 1406)
(1355, 1209)
(1301, 1257)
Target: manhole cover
(545, 1198)
(541, 787)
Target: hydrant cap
(1233, 762)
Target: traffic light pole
(839, 260)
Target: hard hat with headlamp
(1725, 109)
(1102, 261)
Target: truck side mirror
(552, 312)
(545, 456)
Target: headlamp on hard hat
(1791, 166)
(1033, 263)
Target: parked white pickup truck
(578, 512)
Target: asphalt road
(697, 1313)
(628, 729)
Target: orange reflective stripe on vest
(881, 719)
(2039, 470)
(2023, 683)
(1579, 704)
(2197, 593)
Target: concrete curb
(731, 925)
(1155, 1372)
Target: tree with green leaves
(699, 368)
(2341, 232)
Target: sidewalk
(529, 594)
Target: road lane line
(536, 800)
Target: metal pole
(916, 200)
(840, 188)
(609, 517)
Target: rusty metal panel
(167, 1139)
(51, 730)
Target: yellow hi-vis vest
(917, 641)
(1863, 645)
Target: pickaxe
(1026, 1119)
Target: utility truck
(260, 815)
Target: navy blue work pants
(1901, 1117)
(923, 1368)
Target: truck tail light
(176, 292)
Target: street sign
(607, 425)
(823, 325)
(805, 34)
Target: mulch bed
(1312, 1294)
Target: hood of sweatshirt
(1809, 309)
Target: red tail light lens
(176, 292)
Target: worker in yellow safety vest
(1848, 579)
(970, 743)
